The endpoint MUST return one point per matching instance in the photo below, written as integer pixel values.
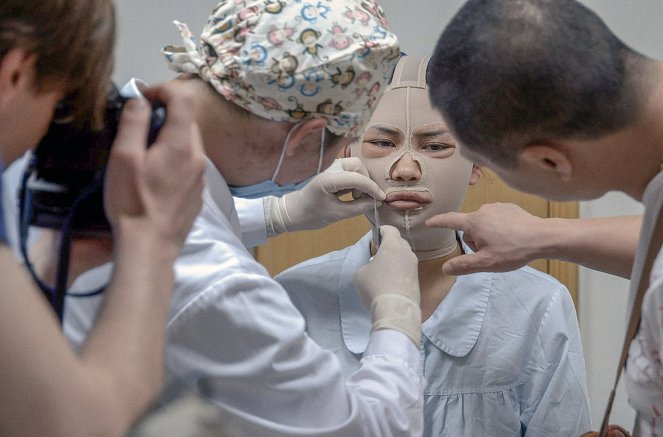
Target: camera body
(65, 178)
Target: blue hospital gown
(502, 353)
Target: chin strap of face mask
(54, 295)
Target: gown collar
(454, 327)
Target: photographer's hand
(152, 198)
(156, 189)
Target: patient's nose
(406, 169)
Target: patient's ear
(476, 174)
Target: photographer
(62, 49)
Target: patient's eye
(382, 142)
(436, 147)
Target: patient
(502, 352)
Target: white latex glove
(389, 286)
(318, 204)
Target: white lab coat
(235, 336)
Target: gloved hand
(318, 203)
(389, 286)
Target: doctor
(279, 92)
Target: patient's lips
(407, 200)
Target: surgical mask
(270, 187)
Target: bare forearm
(605, 244)
(505, 237)
(41, 372)
(105, 389)
(152, 196)
(127, 343)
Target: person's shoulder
(322, 276)
(534, 302)
(526, 277)
(531, 290)
(328, 262)
(213, 263)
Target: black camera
(64, 182)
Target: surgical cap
(293, 60)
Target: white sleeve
(251, 213)
(243, 343)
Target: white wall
(146, 26)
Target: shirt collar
(454, 327)
(217, 196)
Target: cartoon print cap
(288, 60)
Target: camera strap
(55, 295)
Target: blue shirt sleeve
(3, 233)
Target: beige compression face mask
(411, 155)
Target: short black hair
(506, 73)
